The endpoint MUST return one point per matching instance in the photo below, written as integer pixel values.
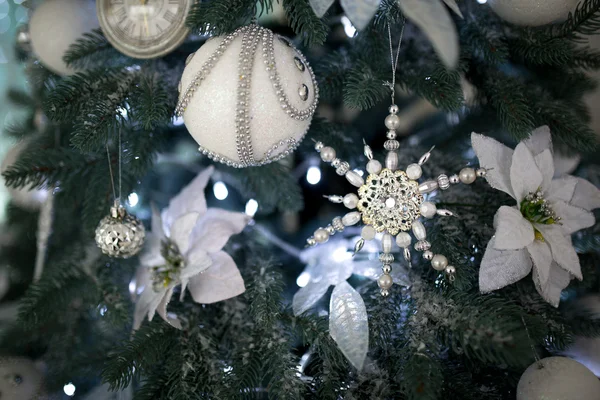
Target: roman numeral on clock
(169, 16)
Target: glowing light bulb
(251, 207)
(220, 190)
(133, 199)
(313, 175)
(348, 27)
(303, 279)
(69, 389)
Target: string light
(220, 190)
(313, 175)
(69, 389)
(133, 199)
(303, 279)
(251, 207)
(348, 27)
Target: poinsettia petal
(162, 309)
(181, 230)
(190, 198)
(540, 140)
(496, 158)
(542, 259)
(500, 268)
(557, 281)
(151, 256)
(512, 230)
(573, 218)
(216, 227)
(219, 282)
(587, 196)
(562, 189)
(146, 305)
(545, 164)
(564, 164)
(525, 176)
(308, 296)
(562, 249)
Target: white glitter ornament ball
(247, 98)
(120, 234)
(57, 24)
(558, 378)
(533, 12)
(20, 379)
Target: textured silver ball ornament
(248, 97)
(119, 234)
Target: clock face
(144, 28)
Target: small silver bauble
(119, 234)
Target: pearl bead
(391, 161)
(428, 186)
(351, 218)
(393, 109)
(467, 175)
(414, 171)
(321, 235)
(385, 281)
(439, 262)
(481, 173)
(373, 167)
(419, 230)
(428, 209)
(327, 154)
(386, 242)
(428, 255)
(368, 232)
(392, 122)
(403, 239)
(355, 178)
(450, 270)
(350, 200)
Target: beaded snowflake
(391, 202)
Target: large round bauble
(27, 197)
(533, 12)
(20, 379)
(247, 98)
(558, 378)
(57, 24)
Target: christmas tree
(170, 158)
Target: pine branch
(139, 355)
(272, 186)
(217, 17)
(482, 42)
(150, 102)
(330, 71)
(507, 98)
(585, 20)
(439, 86)
(364, 87)
(304, 22)
(423, 377)
(93, 50)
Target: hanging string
(394, 60)
(112, 181)
(535, 354)
(120, 166)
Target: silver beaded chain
(252, 35)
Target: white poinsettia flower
(185, 248)
(534, 234)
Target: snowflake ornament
(391, 202)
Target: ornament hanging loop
(394, 59)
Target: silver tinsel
(119, 234)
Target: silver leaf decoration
(454, 7)
(360, 12)
(320, 7)
(433, 18)
(348, 324)
(308, 295)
